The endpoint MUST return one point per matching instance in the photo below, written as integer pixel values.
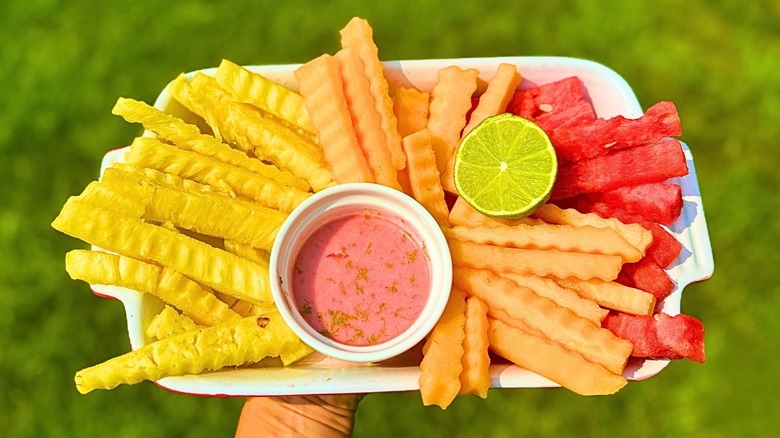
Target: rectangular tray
(610, 95)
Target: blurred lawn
(64, 63)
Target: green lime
(505, 167)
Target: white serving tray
(610, 95)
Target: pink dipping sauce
(361, 279)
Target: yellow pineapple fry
(167, 323)
(197, 302)
(639, 237)
(450, 102)
(534, 352)
(253, 88)
(464, 214)
(188, 137)
(499, 92)
(150, 152)
(173, 181)
(585, 239)
(562, 296)
(295, 352)
(612, 295)
(510, 302)
(135, 238)
(424, 179)
(128, 204)
(245, 341)
(358, 36)
(539, 262)
(441, 365)
(475, 378)
(365, 119)
(410, 106)
(320, 84)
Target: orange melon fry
(639, 237)
(359, 36)
(475, 378)
(424, 179)
(539, 262)
(464, 214)
(562, 296)
(534, 352)
(410, 106)
(450, 102)
(320, 84)
(441, 365)
(612, 295)
(494, 100)
(515, 304)
(365, 119)
(585, 239)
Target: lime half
(505, 167)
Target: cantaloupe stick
(188, 137)
(464, 214)
(539, 262)
(499, 92)
(559, 324)
(205, 213)
(475, 378)
(410, 107)
(585, 239)
(320, 84)
(359, 36)
(424, 177)
(441, 365)
(245, 341)
(562, 296)
(612, 295)
(450, 102)
(534, 352)
(365, 118)
(167, 323)
(135, 238)
(403, 180)
(150, 152)
(639, 237)
(250, 87)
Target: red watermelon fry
(660, 336)
(654, 202)
(532, 103)
(652, 162)
(647, 276)
(601, 136)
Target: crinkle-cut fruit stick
(167, 323)
(612, 295)
(534, 352)
(475, 377)
(499, 92)
(649, 163)
(441, 365)
(450, 102)
(358, 36)
(250, 87)
(245, 127)
(535, 102)
(562, 296)
(130, 205)
(213, 215)
(189, 137)
(365, 119)
(150, 152)
(182, 92)
(661, 335)
(320, 84)
(195, 301)
(464, 214)
(539, 262)
(135, 238)
(646, 275)
(517, 305)
(570, 238)
(638, 236)
(602, 136)
(245, 341)
(424, 178)
(410, 107)
(174, 181)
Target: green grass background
(64, 63)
